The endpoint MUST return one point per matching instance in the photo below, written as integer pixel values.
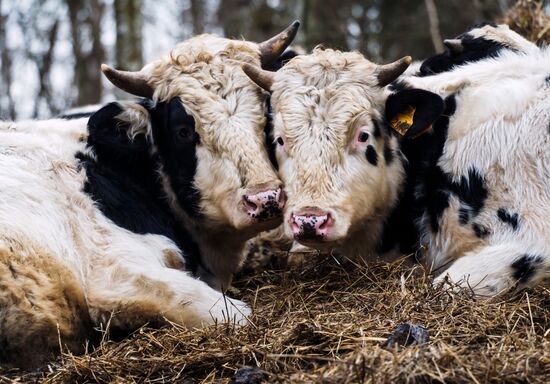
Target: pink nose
(264, 205)
(311, 226)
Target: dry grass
(326, 322)
(528, 18)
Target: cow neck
(221, 250)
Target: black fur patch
(268, 133)
(123, 181)
(437, 199)
(377, 130)
(397, 85)
(475, 49)
(463, 215)
(433, 184)
(372, 156)
(481, 231)
(526, 267)
(388, 153)
(73, 116)
(424, 190)
(175, 137)
(512, 219)
(472, 192)
(281, 61)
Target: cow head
(480, 42)
(206, 124)
(338, 158)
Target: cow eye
(280, 141)
(184, 133)
(363, 137)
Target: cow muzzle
(264, 205)
(311, 225)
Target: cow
(460, 155)
(479, 42)
(138, 214)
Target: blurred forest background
(51, 50)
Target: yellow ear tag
(402, 122)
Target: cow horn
(260, 76)
(271, 49)
(454, 45)
(135, 83)
(389, 72)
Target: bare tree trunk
(197, 16)
(434, 25)
(232, 17)
(7, 108)
(87, 64)
(44, 63)
(327, 23)
(129, 22)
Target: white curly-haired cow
(124, 218)
(464, 153)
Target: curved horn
(261, 77)
(454, 45)
(389, 72)
(135, 83)
(271, 49)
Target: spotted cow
(456, 156)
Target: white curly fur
(319, 101)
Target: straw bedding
(328, 321)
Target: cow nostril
(327, 222)
(248, 204)
(282, 198)
(295, 227)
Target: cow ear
(411, 112)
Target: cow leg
(131, 296)
(497, 268)
(42, 307)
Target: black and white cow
(464, 153)
(478, 43)
(139, 214)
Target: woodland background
(51, 50)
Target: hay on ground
(326, 322)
